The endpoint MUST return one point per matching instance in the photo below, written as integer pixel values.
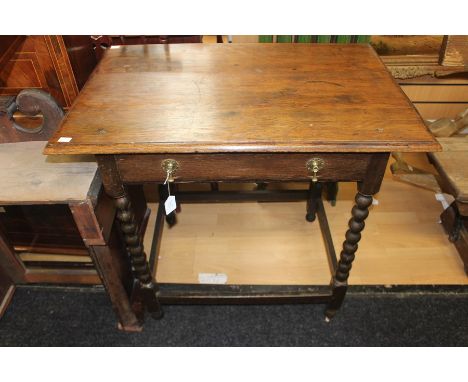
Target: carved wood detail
(30, 102)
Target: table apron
(134, 168)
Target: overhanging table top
(241, 98)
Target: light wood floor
(272, 243)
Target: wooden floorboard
(272, 243)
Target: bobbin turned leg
(145, 290)
(134, 244)
(315, 193)
(356, 224)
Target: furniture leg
(7, 288)
(104, 261)
(146, 289)
(356, 224)
(332, 192)
(456, 226)
(315, 193)
(134, 243)
(9, 262)
(171, 219)
(100, 235)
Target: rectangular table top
(201, 98)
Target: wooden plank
(436, 93)
(29, 177)
(245, 167)
(87, 223)
(432, 111)
(8, 46)
(241, 98)
(62, 276)
(9, 262)
(452, 165)
(7, 288)
(455, 51)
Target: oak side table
(241, 113)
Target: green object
(265, 38)
(343, 39)
(304, 38)
(283, 38)
(323, 39)
(363, 39)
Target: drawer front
(243, 167)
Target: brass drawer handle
(313, 166)
(170, 167)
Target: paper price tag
(170, 204)
(212, 278)
(64, 139)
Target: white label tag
(212, 278)
(2, 209)
(445, 199)
(64, 139)
(170, 204)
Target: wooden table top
(241, 98)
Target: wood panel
(39, 62)
(44, 180)
(22, 71)
(432, 111)
(437, 93)
(450, 165)
(241, 98)
(242, 167)
(455, 51)
(8, 46)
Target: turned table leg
(145, 288)
(363, 200)
(356, 224)
(315, 193)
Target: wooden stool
(452, 165)
(69, 189)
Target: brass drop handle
(313, 166)
(170, 167)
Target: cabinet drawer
(243, 167)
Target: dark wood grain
(9, 262)
(241, 98)
(39, 62)
(8, 46)
(242, 167)
(7, 288)
(87, 223)
(29, 102)
(374, 175)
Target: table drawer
(243, 167)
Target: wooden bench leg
(456, 227)
(7, 288)
(145, 288)
(356, 224)
(104, 258)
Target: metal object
(170, 166)
(314, 165)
